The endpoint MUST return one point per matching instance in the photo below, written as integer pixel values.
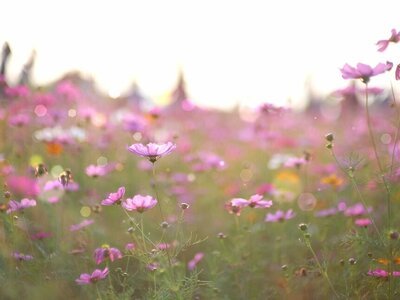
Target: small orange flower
(54, 148)
(332, 180)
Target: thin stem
(323, 271)
(360, 196)
(154, 185)
(371, 135)
(396, 137)
(142, 230)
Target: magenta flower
(139, 203)
(280, 216)
(394, 38)
(114, 198)
(152, 151)
(81, 225)
(100, 254)
(363, 222)
(382, 273)
(92, 278)
(197, 258)
(16, 206)
(363, 71)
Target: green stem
(322, 270)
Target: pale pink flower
(96, 171)
(92, 278)
(152, 151)
(81, 225)
(139, 203)
(14, 206)
(363, 71)
(22, 257)
(394, 38)
(397, 72)
(280, 216)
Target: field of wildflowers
(103, 199)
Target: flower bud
(329, 137)
(303, 227)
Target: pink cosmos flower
(130, 247)
(382, 273)
(163, 246)
(139, 203)
(16, 206)
(96, 171)
(22, 257)
(92, 278)
(19, 120)
(357, 209)
(394, 38)
(255, 201)
(114, 198)
(397, 72)
(363, 71)
(152, 151)
(295, 162)
(100, 254)
(41, 235)
(81, 225)
(363, 222)
(280, 216)
(197, 258)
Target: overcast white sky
(230, 51)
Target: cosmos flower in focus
(92, 278)
(139, 203)
(152, 151)
(363, 71)
(114, 198)
(394, 38)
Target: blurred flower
(139, 203)
(96, 171)
(357, 209)
(19, 120)
(41, 235)
(92, 278)
(16, 206)
(255, 201)
(23, 185)
(163, 246)
(81, 225)
(130, 247)
(152, 151)
(394, 38)
(363, 222)
(22, 257)
(382, 273)
(193, 263)
(114, 198)
(332, 180)
(100, 254)
(296, 162)
(363, 71)
(280, 216)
